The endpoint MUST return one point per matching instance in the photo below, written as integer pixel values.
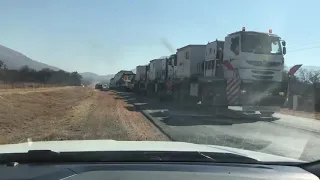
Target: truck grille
(262, 72)
(262, 77)
(264, 64)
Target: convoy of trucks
(246, 69)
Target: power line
(304, 44)
(314, 47)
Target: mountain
(15, 60)
(133, 70)
(90, 75)
(92, 78)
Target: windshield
(161, 75)
(260, 44)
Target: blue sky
(105, 36)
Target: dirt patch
(311, 115)
(30, 90)
(33, 114)
(109, 119)
(70, 113)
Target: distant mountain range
(15, 60)
(93, 76)
(98, 78)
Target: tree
(45, 76)
(309, 76)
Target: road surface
(282, 135)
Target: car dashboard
(154, 171)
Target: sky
(105, 36)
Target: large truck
(244, 70)
(140, 81)
(123, 80)
(153, 76)
(112, 84)
(181, 70)
(131, 83)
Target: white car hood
(112, 145)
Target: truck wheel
(267, 114)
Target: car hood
(112, 145)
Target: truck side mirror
(284, 50)
(283, 43)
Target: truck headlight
(281, 93)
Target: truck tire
(267, 114)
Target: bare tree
(309, 76)
(1, 64)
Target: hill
(90, 75)
(92, 78)
(15, 60)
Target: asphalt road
(283, 135)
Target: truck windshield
(260, 44)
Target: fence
(308, 96)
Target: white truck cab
(256, 55)
(257, 60)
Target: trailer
(153, 76)
(122, 80)
(131, 83)
(243, 70)
(112, 84)
(181, 71)
(140, 83)
(168, 73)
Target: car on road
(105, 87)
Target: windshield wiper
(47, 156)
